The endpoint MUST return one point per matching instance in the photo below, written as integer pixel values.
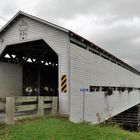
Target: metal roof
(76, 36)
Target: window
(94, 88)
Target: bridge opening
(39, 64)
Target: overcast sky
(111, 24)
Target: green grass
(61, 129)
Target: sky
(114, 25)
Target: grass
(62, 129)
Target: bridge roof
(74, 35)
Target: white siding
(58, 41)
(88, 69)
(10, 80)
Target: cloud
(27, 5)
(113, 25)
(7, 8)
(11, 7)
(117, 36)
(68, 9)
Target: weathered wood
(26, 99)
(54, 105)
(48, 98)
(10, 108)
(48, 105)
(23, 104)
(40, 109)
(26, 107)
(25, 116)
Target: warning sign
(64, 83)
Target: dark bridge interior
(40, 66)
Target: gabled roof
(74, 35)
(20, 13)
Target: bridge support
(129, 119)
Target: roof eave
(20, 13)
(104, 51)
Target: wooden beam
(10, 109)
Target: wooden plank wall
(28, 106)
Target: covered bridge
(38, 58)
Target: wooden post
(10, 109)
(54, 105)
(40, 109)
(39, 81)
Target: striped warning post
(64, 83)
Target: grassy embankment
(61, 129)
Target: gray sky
(111, 24)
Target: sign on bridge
(83, 89)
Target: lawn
(62, 129)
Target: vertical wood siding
(58, 41)
(87, 68)
(10, 79)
